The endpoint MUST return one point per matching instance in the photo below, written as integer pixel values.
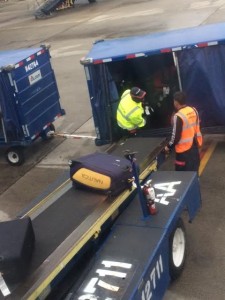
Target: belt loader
(90, 246)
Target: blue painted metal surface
(134, 261)
(198, 53)
(155, 43)
(29, 97)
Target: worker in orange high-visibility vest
(186, 136)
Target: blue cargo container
(29, 99)
(190, 59)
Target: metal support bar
(131, 158)
(3, 126)
(176, 63)
(3, 287)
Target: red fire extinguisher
(149, 193)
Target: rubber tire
(15, 156)
(44, 135)
(52, 127)
(177, 250)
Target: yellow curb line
(206, 157)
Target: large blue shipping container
(190, 59)
(29, 97)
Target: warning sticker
(34, 77)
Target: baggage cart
(29, 99)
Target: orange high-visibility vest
(190, 129)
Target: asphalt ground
(204, 272)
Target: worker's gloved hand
(149, 110)
(166, 91)
(167, 150)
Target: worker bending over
(186, 136)
(130, 112)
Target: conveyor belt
(59, 220)
(71, 217)
(147, 149)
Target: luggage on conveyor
(16, 248)
(102, 172)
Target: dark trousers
(188, 160)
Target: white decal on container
(34, 77)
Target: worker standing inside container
(186, 136)
(130, 111)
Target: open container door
(148, 61)
(203, 78)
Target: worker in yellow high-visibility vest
(130, 110)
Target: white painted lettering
(152, 280)
(31, 66)
(108, 286)
(88, 297)
(90, 288)
(104, 273)
(109, 264)
(169, 189)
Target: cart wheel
(44, 134)
(177, 250)
(52, 127)
(15, 156)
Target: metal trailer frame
(29, 99)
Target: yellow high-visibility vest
(129, 113)
(190, 129)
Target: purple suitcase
(102, 172)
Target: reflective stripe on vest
(190, 129)
(127, 116)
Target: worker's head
(137, 94)
(179, 100)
